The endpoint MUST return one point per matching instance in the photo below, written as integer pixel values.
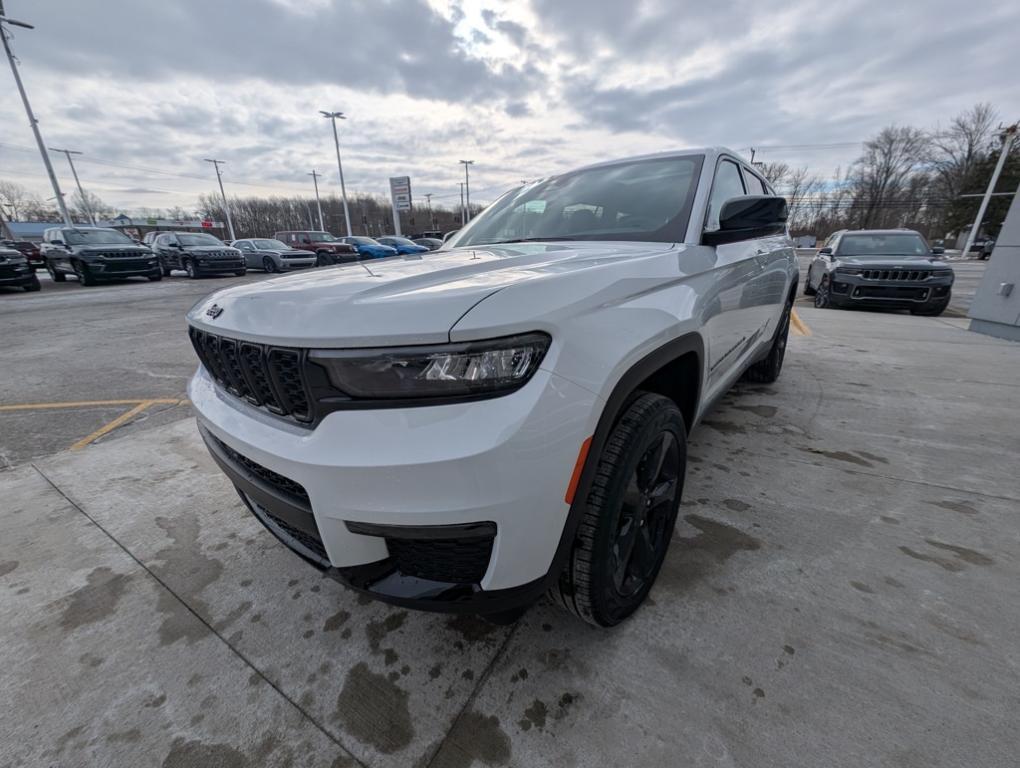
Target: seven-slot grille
(896, 274)
(123, 254)
(269, 377)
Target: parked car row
(92, 254)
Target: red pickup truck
(329, 249)
(29, 250)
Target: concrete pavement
(841, 591)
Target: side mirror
(938, 250)
(58, 242)
(825, 252)
(747, 217)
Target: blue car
(368, 248)
(402, 244)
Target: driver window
(727, 185)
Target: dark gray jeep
(95, 253)
(886, 268)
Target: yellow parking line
(87, 403)
(799, 326)
(112, 425)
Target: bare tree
(15, 198)
(882, 173)
(774, 172)
(91, 202)
(957, 149)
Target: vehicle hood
(885, 262)
(403, 300)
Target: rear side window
(727, 184)
(755, 186)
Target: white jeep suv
(507, 416)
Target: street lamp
(28, 111)
(315, 180)
(81, 192)
(432, 219)
(333, 116)
(226, 205)
(467, 191)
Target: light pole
(1007, 142)
(31, 115)
(333, 116)
(462, 212)
(467, 191)
(432, 219)
(81, 192)
(315, 181)
(226, 205)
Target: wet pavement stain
(947, 627)
(375, 631)
(8, 566)
(873, 457)
(191, 571)
(963, 507)
(962, 555)
(471, 628)
(95, 601)
(736, 505)
(534, 716)
(838, 456)
(765, 411)
(194, 753)
(862, 587)
(374, 710)
(893, 582)
(726, 427)
(717, 539)
(564, 704)
(337, 620)
(475, 737)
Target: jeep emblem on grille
(214, 311)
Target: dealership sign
(400, 192)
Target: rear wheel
(56, 274)
(629, 514)
(190, 268)
(269, 265)
(808, 290)
(323, 259)
(155, 276)
(163, 268)
(767, 371)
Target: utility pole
(81, 192)
(333, 116)
(1008, 136)
(467, 191)
(432, 219)
(28, 111)
(226, 205)
(462, 220)
(753, 150)
(315, 181)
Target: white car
(509, 416)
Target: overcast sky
(522, 87)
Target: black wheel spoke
(662, 492)
(643, 557)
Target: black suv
(197, 253)
(95, 253)
(15, 270)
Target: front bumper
(219, 265)
(126, 267)
(16, 275)
(298, 263)
(367, 492)
(855, 291)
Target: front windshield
(190, 240)
(320, 237)
(271, 245)
(397, 241)
(362, 241)
(891, 244)
(646, 200)
(96, 237)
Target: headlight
(476, 368)
(848, 270)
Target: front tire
(164, 269)
(822, 294)
(56, 274)
(156, 276)
(629, 514)
(84, 277)
(33, 286)
(191, 269)
(323, 259)
(808, 290)
(269, 265)
(241, 272)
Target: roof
(902, 231)
(21, 229)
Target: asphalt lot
(842, 589)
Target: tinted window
(270, 245)
(96, 237)
(647, 200)
(727, 184)
(891, 244)
(755, 186)
(189, 239)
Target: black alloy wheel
(628, 515)
(84, 276)
(163, 268)
(767, 370)
(822, 294)
(190, 268)
(269, 265)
